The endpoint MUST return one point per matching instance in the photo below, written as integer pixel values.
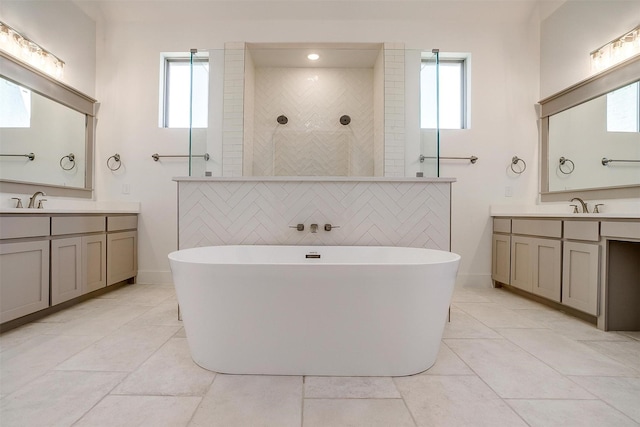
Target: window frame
(167, 59)
(463, 61)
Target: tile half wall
(369, 213)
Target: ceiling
(332, 55)
(212, 10)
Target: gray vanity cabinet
(76, 258)
(24, 274)
(536, 261)
(94, 262)
(501, 251)
(24, 266)
(122, 248)
(580, 275)
(581, 266)
(47, 259)
(66, 269)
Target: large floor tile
(455, 401)
(22, 334)
(102, 321)
(356, 412)
(580, 330)
(627, 353)
(152, 411)
(567, 356)
(170, 371)
(630, 334)
(512, 372)
(621, 393)
(464, 326)
(569, 413)
(350, 387)
(25, 362)
(142, 294)
(57, 398)
(251, 400)
(448, 363)
(495, 315)
(124, 350)
(468, 295)
(165, 314)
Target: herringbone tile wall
(371, 213)
(313, 142)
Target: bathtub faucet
(314, 228)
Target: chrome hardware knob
(595, 209)
(18, 203)
(329, 227)
(299, 227)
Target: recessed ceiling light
(313, 56)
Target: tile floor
(122, 360)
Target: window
(15, 105)
(176, 92)
(623, 111)
(452, 83)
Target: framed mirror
(46, 133)
(590, 137)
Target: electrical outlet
(126, 188)
(508, 191)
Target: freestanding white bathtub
(314, 310)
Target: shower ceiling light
(24, 49)
(313, 56)
(616, 51)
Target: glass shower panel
(430, 113)
(198, 112)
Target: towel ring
(563, 161)
(116, 158)
(72, 161)
(514, 161)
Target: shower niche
(288, 115)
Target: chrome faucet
(32, 200)
(585, 209)
(314, 228)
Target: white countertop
(620, 211)
(603, 215)
(60, 206)
(309, 179)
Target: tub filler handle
(329, 227)
(299, 227)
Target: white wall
(61, 28)
(573, 31)
(501, 37)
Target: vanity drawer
(124, 222)
(77, 224)
(622, 229)
(16, 227)
(501, 225)
(537, 227)
(582, 230)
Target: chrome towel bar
(472, 159)
(157, 156)
(605, 161)
(30, 156)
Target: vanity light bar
(27, 51)
(616, 51)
